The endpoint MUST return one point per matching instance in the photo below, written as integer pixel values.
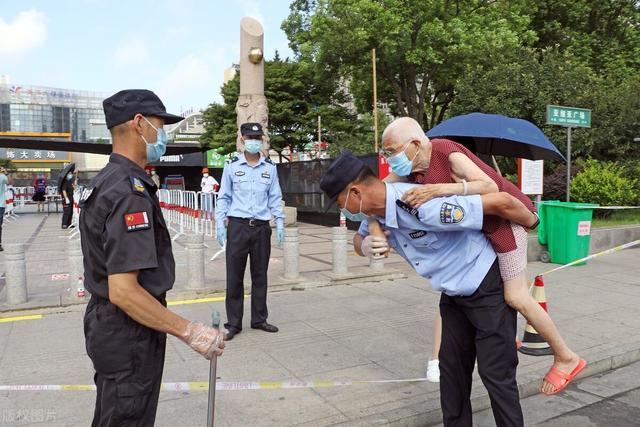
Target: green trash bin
(542, 214)
(567, 230)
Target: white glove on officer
(206, 340)
(374, 246)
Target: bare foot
(564, 365)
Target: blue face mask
(400, 163)
(157, 150)
(253, 146)
(357, 217)
(70, 177)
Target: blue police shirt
(441, 240)
(250, 191)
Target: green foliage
(604, 183)
(296, 96)
(423, 47)
(8, 165)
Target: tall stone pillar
(252, 104)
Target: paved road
(608, 400)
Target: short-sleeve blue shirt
(250, 192)
(441, 240)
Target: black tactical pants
(247, 238)
(128, 359)
(481, 325)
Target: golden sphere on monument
(255, 55)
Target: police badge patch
(407, 208)
(417, 234)
(138, 185)
(451, 214)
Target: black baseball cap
(251, 129)
(343, 171)
(124, 105)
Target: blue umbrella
(498, 135)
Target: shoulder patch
(136, 221)
(233, 159)
(417, 234)
(85, 195)
(407, 208)
(451, 214)
(137, 184)
(268, 160)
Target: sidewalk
(47, 245)
(354, 331)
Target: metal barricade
(207, 203)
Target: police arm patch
(407, 208)
(136, 221)
(451, 214)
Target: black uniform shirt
(123, 230)
(67, 186)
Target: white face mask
(206, 175)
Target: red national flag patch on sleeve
(136, 221)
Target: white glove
(374, 246)
(206, 340)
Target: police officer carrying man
(129, 267)
(250, 193)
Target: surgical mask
(157, 150)
(253, 146)
(356, 217)
(206, 175)
(400, 163)
(70, 176)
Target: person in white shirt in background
(155, 178)
(209, 185)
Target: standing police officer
(250, 193)
(129, 267)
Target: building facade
(38, 109)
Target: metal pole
(319, 135)
(375, 101)
(215, 321)
(568, 163)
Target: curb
(429, 413)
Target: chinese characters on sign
(568, 116)
(23, 155)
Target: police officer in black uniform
(129, 267)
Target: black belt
(251, 222)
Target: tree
(296, 96)
(423, 47)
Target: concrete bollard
(339, 246)
(291, 253)
(195, 261)
(376, 264)
(16, 273)
(76, 290)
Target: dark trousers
(1, 222)
(253, 241)
(67, 214)
(481, 325)
(128, 359)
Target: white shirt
(208, 183)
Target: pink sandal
(561, 380)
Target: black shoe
(265, 327)
(72, 226)
(230, 334)
(1, 248)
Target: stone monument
(252, 104)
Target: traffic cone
(532, 343)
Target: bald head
(400, 132)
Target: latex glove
(206, 340)
(221, 235)
(280, 236)
(374, 246)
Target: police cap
(124, 105)
(251, 129)
(344, 170)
